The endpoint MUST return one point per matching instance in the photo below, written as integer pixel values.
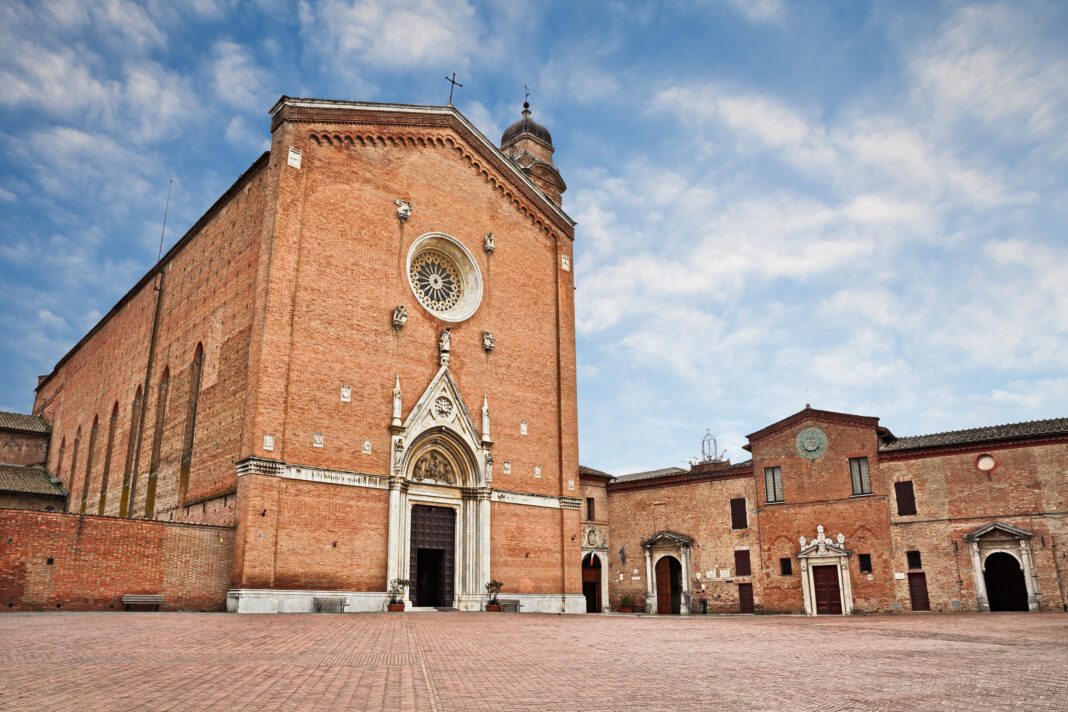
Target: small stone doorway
(828, 594)
(591, 582)
(668, 586)
(433, 555)
(1005, 585)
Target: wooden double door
(827, 591)
(433, 555)
(668, 586)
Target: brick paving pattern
(477, 661)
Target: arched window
(157, 442)
(107, 458)
(89, 463)
(195, 369)
(131, 449)
(73, 466)
(59, 458)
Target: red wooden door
(745, 598)
(668, 586)
(918, 591)
(828, 595)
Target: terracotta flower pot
(493, 607)
(395, 606)
(628, 609)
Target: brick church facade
(359, 366)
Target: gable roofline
(326, 110)
(1052, 429)
(681, 539)
(245, 177)
(810, 413)
(1002, 527)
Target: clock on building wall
(811, 443)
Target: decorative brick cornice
(817, 416)
(969, 448)
(403, 125)
(570, 503)
(260, 466)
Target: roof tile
(1009, 431)
(25, 423)
(28, 480)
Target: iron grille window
(914, 559)
(742, 566)
(906, 498)
(858, 469)
(590, 508)
(865, 563)
(773, 483)
(738, 515)
(786, 567)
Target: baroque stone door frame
(998, 537)
(667, 543)
(823, 551)
(598, 548)
(440, 424)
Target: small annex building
(835, 515)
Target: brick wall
(52, 561)
(19, 448)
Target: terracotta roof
(590, 472)
(25, 423)
(28, 480)
(649, 474)
(1010, 431)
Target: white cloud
(760, 10)
(237, 79)
(384, 34)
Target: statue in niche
(489, 242)
(488, 342)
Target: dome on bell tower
(526, 125)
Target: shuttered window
(906, 498)
(773, 483)
(858, 469)
(865, 563)
(786, 567)
(590, 510)
(742, 566)
(914, 559)
(738, 516)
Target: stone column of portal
(981, 598)
(393, 547)
(684, 608)
(1028, 572)
(483, 503)
(650, 589)
(806, 593)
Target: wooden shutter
(906, 498)
(745, 598)
(742, 566)
(738, 514)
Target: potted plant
(493, 588)
(626, 604)
(396, 593)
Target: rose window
(444, 277)
(436, 281)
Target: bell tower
(530, 145)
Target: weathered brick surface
(497, 661)
(19, 448)
(206, 297)
(75, 562)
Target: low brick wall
(78, 562)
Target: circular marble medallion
(811, 443)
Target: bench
(141, 599)
(509, 605)
(333, 604)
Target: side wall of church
(336, 255)
(206, 298)
(1026, 489)
(70, 562)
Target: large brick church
(359, 366)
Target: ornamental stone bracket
(824, 551)
(998, 537)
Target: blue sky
(857, 205)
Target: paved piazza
(480, 661)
